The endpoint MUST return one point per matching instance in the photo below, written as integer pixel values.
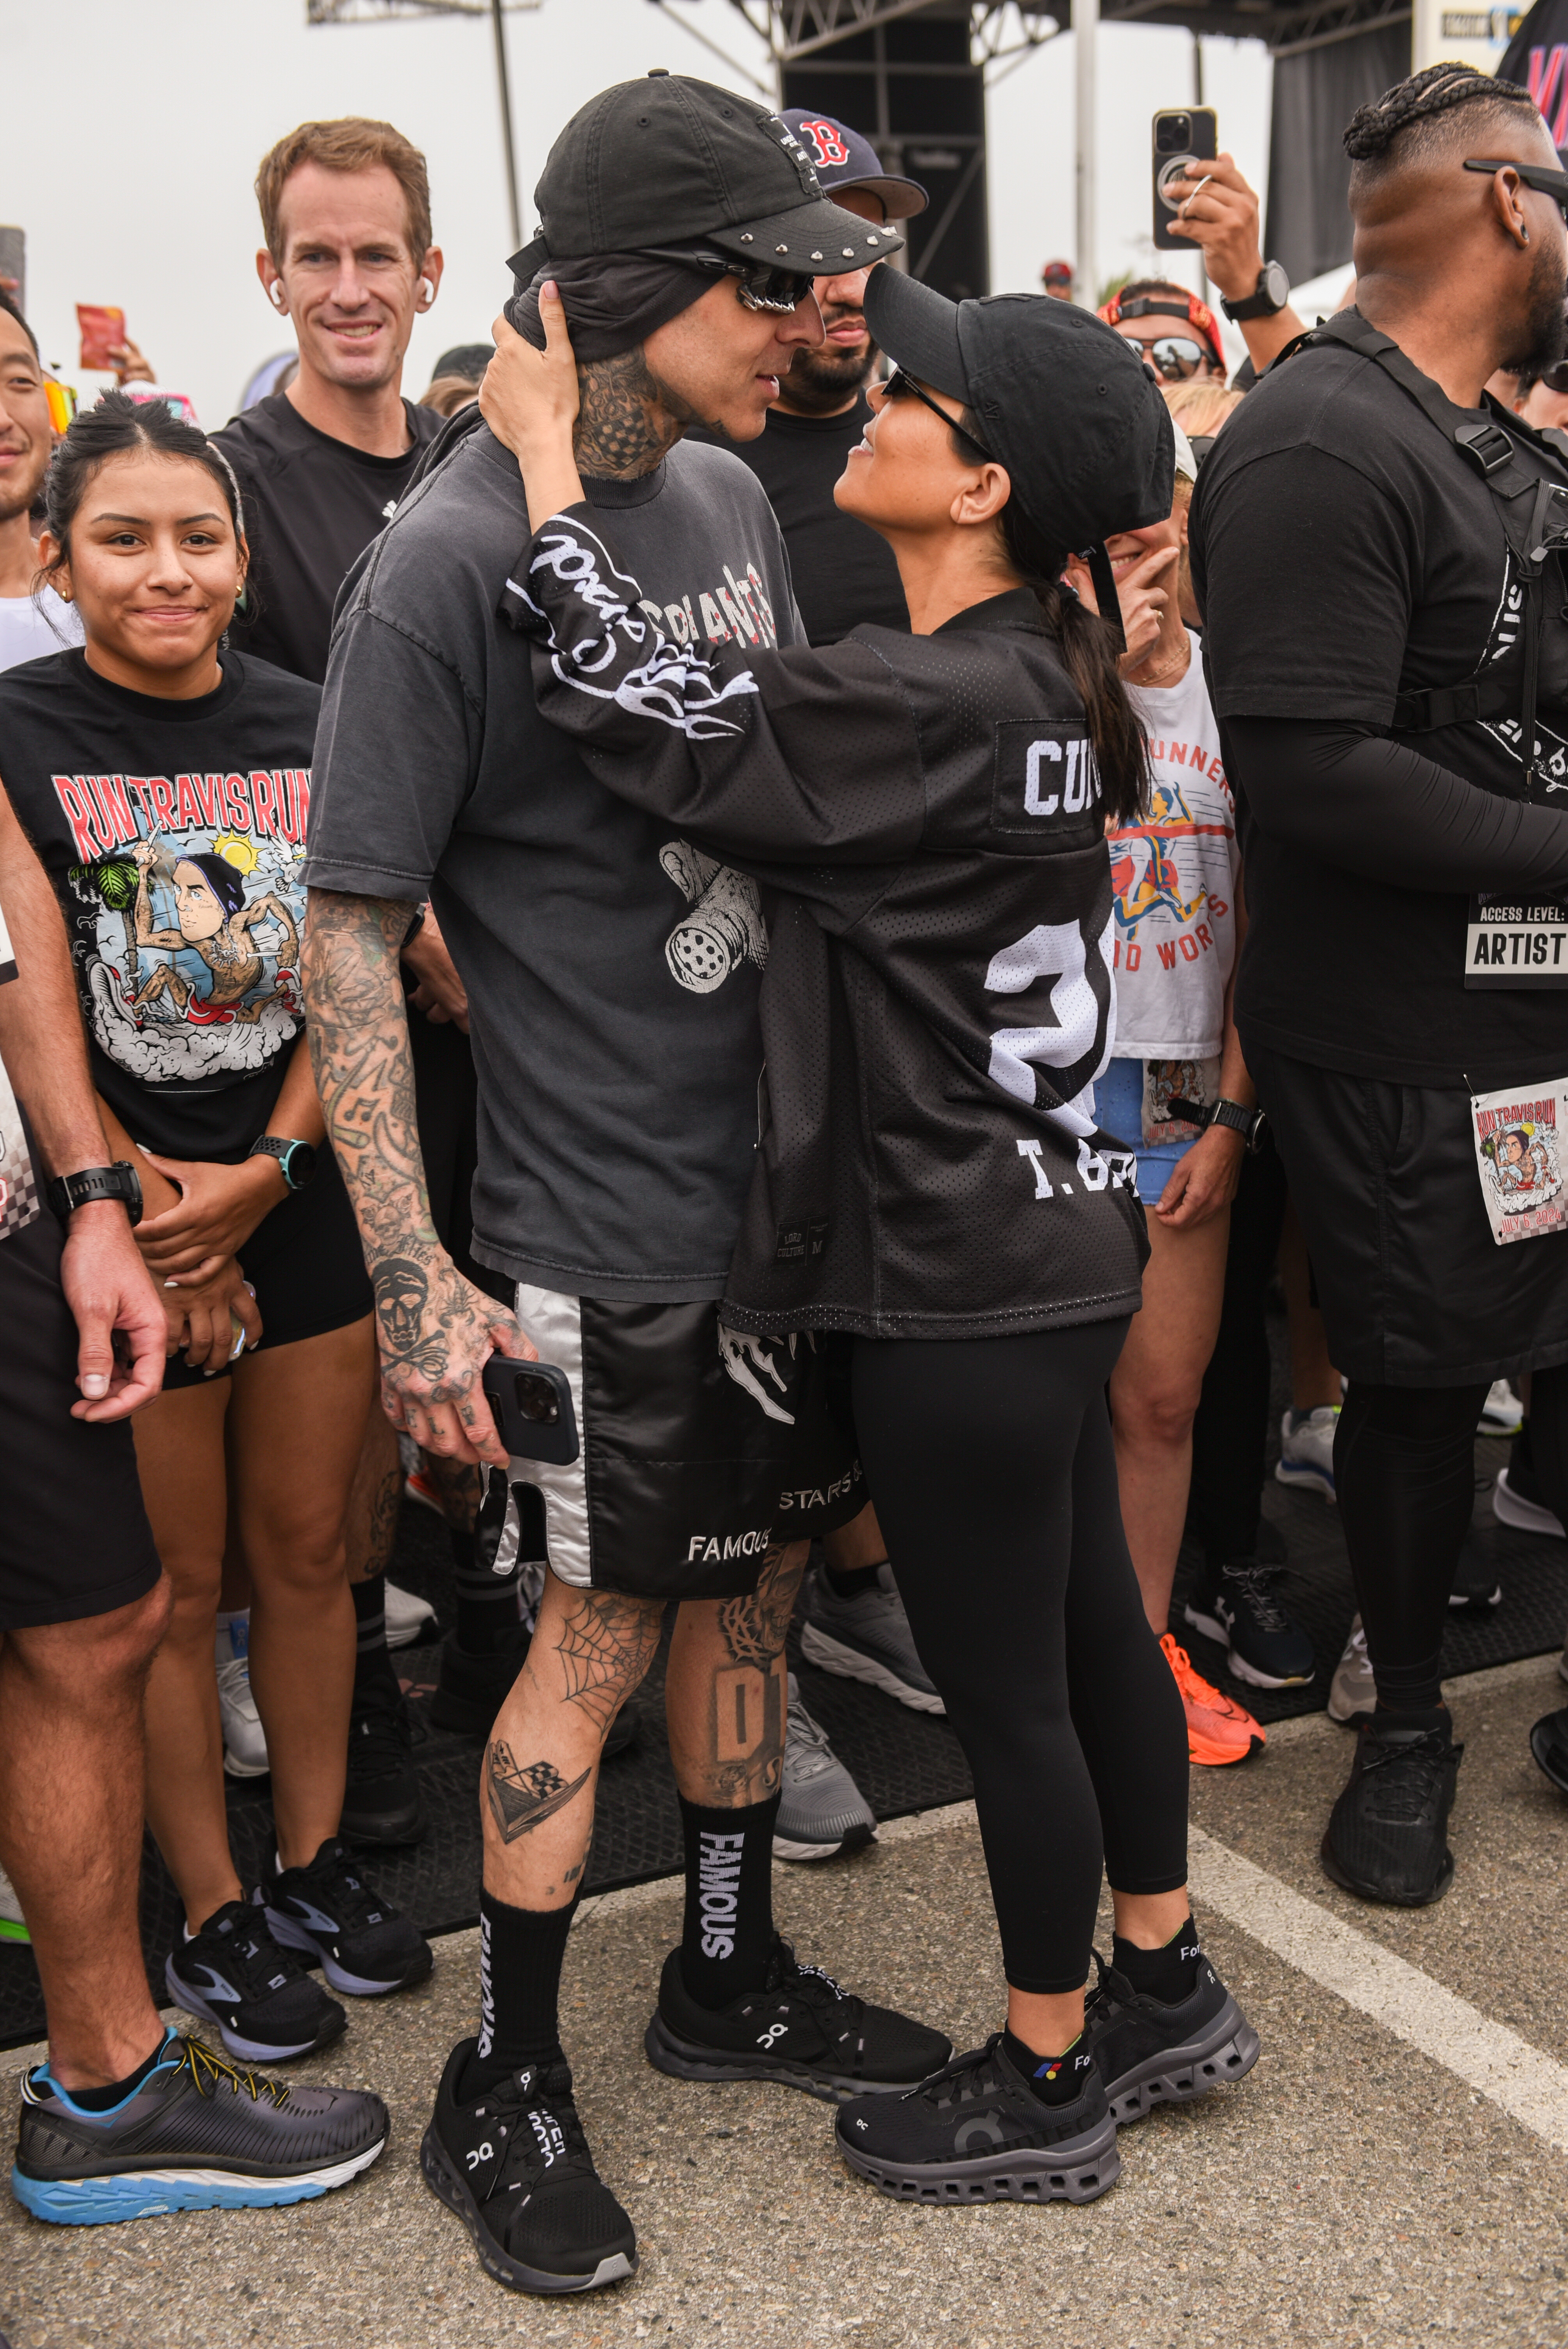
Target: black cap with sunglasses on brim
(1064, 403)
(655, 188)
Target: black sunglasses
(899, 382)
(1534, 175)
(760, 285)
(1175, 359)
(1555, 379)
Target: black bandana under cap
(613, 300)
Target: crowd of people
(851, 875)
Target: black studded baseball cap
(1059, 398)
(669, 161)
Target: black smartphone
(531, 1403)
(1182, 135)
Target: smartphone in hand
(1183, 136)
(531, 1406)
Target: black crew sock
(730, 1935)
(1415, 1716)
(1055, 2079)
(1169, 1974)
(520, 1954)
(371, 1658)
(853, 1581)
(488, 1621)
(104, 2100)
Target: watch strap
(1258, 303)
(67, 1192)
(283, 1147)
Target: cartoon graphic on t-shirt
(725, 925)
(188, 943)
(1144, 872)
(1522, 1161)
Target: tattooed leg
(590, 1650)
(727, 1692)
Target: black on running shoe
(800, 2028)
(234, 1973)
(194, 2135)
(1549, 1743)
(976, 2132)
(1148, 2052)
(366, 1946)
(1238, 1605)
(381, 1802)
(515, 2166)
(1388, 1834)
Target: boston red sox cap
(667, 161)
(843, 159)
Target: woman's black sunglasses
(1534, 175)
(899, 383)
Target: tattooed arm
(436, 1329)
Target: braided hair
(1376, 136)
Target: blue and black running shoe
(195, 2133)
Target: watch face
(299, 1164)
(1275, 284)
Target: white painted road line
(1528, 2086)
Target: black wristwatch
(1270, 295)
(296, 1160)
(1248, 1122)
(67, 1192)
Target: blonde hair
(449, 393)
(1200, 407)
(353, 143)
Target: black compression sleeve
(1351, 797)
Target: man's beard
(1544, 331)
(819, 383)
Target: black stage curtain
(1315, 96)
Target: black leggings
(995, 1478)
(1404, 1470)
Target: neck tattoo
(626, 419)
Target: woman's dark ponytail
(1090, 652)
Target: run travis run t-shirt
(843, 572)
(1174, 874)
(1341, 555)
(174, 834)
(612, 968)
(313, 505)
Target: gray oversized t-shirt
(612, 968)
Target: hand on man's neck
(627, 421)
(371, 418)
(18, 557)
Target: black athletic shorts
(1414, 1290)
(74, 1536)
(700, 1447)
(305, 1264)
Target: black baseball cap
(667, 161)
(843, 159)
(1063, 402)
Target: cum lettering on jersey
(1046, 781)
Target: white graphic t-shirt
(1175, 873)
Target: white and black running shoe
(366, 1947)
(514, 2165)
(1387, 1834)
(866, 1638)
(234, 1973)
(976, 2132)
(822, 1811)
(1238, 1605)
(1148, 2052)
(194, 2135)
(801, 2030)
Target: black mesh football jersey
(923, 815)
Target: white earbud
(276, 297)
(426, 289)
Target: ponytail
(1089, 650)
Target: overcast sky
(133, 133)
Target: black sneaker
(1149, 2053)
(1476, 1585)
(515, 2166)
(976, 2132)
(234, 1973)
(195, 2134)
(1549, 1743)
(472, 1690)
(1388, 1834)
(801, 2029)
(364, 1945)
(1238, 1605)
(381, 1802)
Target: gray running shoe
(822, 1811)
(1353, 1690)
(867, 1639)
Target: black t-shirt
(843, 572)
(313, 505)
(1341, 555)
(174, 834)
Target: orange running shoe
(1218, 1729)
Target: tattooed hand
(436, 1329)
